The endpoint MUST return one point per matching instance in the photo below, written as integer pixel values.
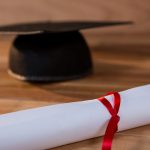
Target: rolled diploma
(52, 126)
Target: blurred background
(18, 11)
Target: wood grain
(116, 67)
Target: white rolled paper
(52, 126)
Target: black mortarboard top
(50, 51)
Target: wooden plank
(116, 67)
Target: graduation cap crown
(50, 51)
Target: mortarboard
(50, 51)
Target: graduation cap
(50, 51)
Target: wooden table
(116, 67)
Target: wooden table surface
(116, 67)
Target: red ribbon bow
(113, 122)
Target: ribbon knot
(114, 120)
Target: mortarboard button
(50, 51)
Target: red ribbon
(113, 122)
